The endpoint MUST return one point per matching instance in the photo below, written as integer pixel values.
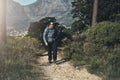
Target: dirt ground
(63, 70)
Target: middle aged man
(50, 40)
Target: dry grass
(16, 58)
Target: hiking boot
(50, 61)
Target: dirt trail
(64, 71)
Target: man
(50, 40)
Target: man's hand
(46, 44)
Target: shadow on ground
(58, 62)
(42, 55)
(62, 61)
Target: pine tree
(83, 10)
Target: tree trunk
(3, 34)
(95, 11)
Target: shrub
(102, 48)
(99, 48)
(74, 50)
(17, 57)
(36, 28)
(78, 26)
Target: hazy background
(22, 12)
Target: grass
(17, 57)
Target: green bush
(17, 57)
(102, 41)
(36, 28)
(74, 50)
(78, 26)
(99, 48)
(106, 33)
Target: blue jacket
(49, 35)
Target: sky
(25, 2)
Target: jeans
(52, 51)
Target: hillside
(19, 17)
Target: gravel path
(64, 71)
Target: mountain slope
(55, 8)
(16, 17)
(19, 17)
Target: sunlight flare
(3, 20)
